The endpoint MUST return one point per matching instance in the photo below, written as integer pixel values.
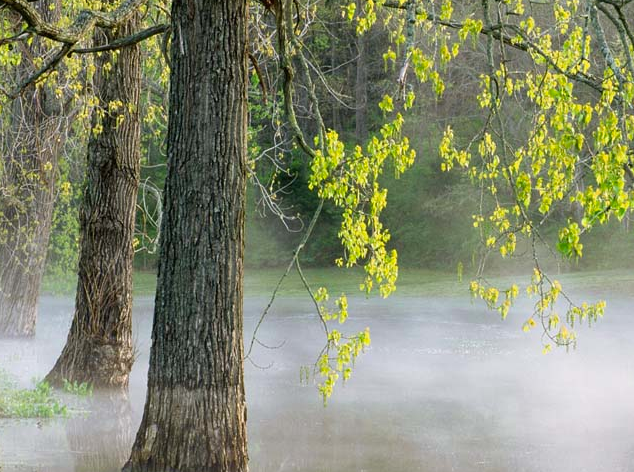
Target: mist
(445, 386)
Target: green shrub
(38, 402)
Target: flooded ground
(446, 386)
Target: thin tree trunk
(99, 345)
(195, 411)
(336, 111)
(32, 136)
(361, 86)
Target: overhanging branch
(84, 23)
(496, 31)
(127, 41)
(27, 33)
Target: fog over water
(446, 386)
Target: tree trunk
(99, 345)
(336, 109)
(195, 411)
(361, 86)
(32, 136)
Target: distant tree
(99, 346)
(33, 129)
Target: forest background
(429, 212)
(588, 178)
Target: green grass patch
(411, 282)
(81, 389)
(59, 284)
(144, 284)
(261, 282)
(619, 281)
(37, 402)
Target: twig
(309, 230)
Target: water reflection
(100, 439)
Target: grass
(411, 282)
(426, 283)
(83, 389)
(261, 282)
(144, 284)
(618, 281)
(40, 401)
(37, 402)
(59, 284)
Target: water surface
(446, 386)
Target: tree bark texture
(32, 135)
(195, 411)
(99, 345)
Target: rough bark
(99, 345)
(195, 411)
(32, 136)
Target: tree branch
(127, 41)
(604, 47)
(18, 37)
(48, 66)
(288, 74)
(293, 261)
(84, 23)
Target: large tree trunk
(32, 136)
(195, 412)
(99, 345)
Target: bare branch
(27, 33)
(293, 262)
(127, 41)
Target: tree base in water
(92, 361)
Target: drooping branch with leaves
(349, 179)
(558, 95)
